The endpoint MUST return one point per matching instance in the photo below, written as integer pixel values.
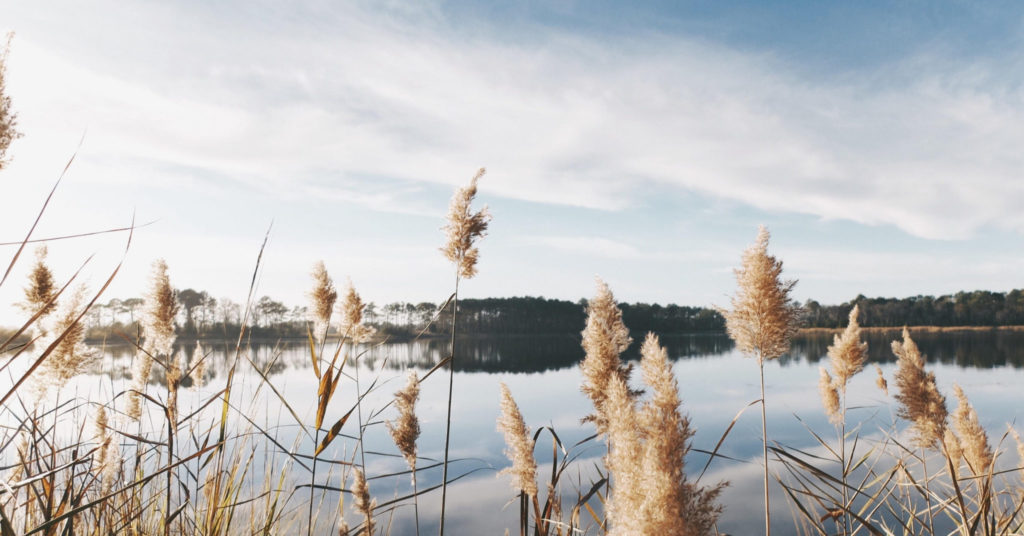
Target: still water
(715, 382)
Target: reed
(762, 320)
(462, 229)
(406, 430)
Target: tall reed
(463, 228)
(647, 440)
(406, 430)
(847, 356)
(762, 320)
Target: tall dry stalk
(160, 307)
(462, 230)
(847, 356)
(406, 430)
(322, 298)
(762, 320)
(920, 403)
(351, 326)
(8, 119)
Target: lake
(715, 382)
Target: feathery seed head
(406, 430)
(920, 401)
(624, 461)
(954, 450)
(8, 119)
(520, 445)
(848, 353)
(41, 287)
(973, 439)
(829, 397)
(364, 504)
(141, 370)
(71, 356)
(106, 455)
(1020, 449)
(647, 449)
(764, 317)
(175, 368)
(161, 306)
(671, 503)
(604, 338)
(199, 372)
(463, 228)
(350, 311)
(322, 297)
(880, 381)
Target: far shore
(917, 329)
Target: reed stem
(842, 460)
(448, 421)
(312, 483)
(764, 444)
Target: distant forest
(202, 316)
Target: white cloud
(593, 246)
(929, 146)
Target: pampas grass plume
(671, 504)
(363, 503)
(920, 401)
(464, 228)
(159, 310)
(763, 317)
(604, 339)
(880, 381)
(8, 119)
(520, 445)
(973, 439)
(161, 306)
(350, 311)
(199, 371)
(322, 298)
(41, 286)
(829, 397)
(847, 353)
(406, 430)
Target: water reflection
(966, 348)
(969, 348)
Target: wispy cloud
(593, 246)
(927, 145)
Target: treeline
(202, 316)
(977, 308)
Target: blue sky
(641, 142)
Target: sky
(640, 142)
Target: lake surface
(715, 382)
